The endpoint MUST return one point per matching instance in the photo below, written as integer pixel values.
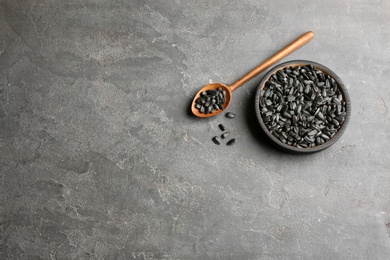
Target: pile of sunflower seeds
(302, 107)
(210, 101)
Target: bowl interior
(326, 71)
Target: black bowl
(293, 149)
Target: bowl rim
(288, 148)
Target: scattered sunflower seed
(216, 140)
(230, 115)
(222, 127)
(231, 141)
(224, 135)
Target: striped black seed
(290, 98)
(224, 135)
(335, 122)
(281, 78)
(231, 141)
(216, 140)
(340, 119)
(324, 94)
(286, 115)
(299, 108)
(300, 87)
(312, 133)
(320, 116)
(325, 137)
(317, 111)
(277, 117)
(268, 113)
(230, 115)
(295, 119)
(307, 89)
(222, 127)
(336, 101)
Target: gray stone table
(101, 159)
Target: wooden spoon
(305, 38)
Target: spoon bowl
(212, 86)
(299, 42)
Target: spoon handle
(305, 38)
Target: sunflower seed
(320, 116)
(290, 98)
(286, 114)
(224, 135)
(335, 122)
(216, 140)
(279, 108)
(230, 115)
(336, 101)
(222, 127)
(268, 113)
(325, 137)
(231, 141)
(295, 119)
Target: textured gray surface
(100, 159)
